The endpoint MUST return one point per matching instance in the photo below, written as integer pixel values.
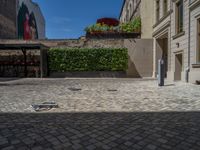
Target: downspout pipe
(188, 67)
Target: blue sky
(68, 18)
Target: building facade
(194, 40)
(21, 19)
(140, 51)
(176, 38)
(142, 8)
(8, 20)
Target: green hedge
(88, 59)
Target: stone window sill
(178, 35)
(196, 65)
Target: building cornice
(194, 4)
(161, 28)
(163, 18)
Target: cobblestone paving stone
(92, 95)
(105, 114)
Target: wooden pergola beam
(29, 46)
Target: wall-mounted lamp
(178, 45)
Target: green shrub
(61, 59)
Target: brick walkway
(118, 115)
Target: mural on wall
(27, 26)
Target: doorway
(178, 66)
(162, 51)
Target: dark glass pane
(180, 16)
(158, 10)
(165, 6)
(199, 40)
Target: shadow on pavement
(74, 131)
(9, 79)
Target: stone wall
(140, 51)
(8, 19)
(85, 43)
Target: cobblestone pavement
(98, 95)
(99, 114)
(100, 131)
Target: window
(127, 15)
(135, 4)
(198, 40)
(130, 10)
(179, 16)
(157, 10)
(165, 7)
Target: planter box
(89, 74)
(112, 35)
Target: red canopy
(108, 21)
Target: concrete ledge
(194, 75)
(89, 74)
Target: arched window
(130, 10)
(127, 15)
(135, 4)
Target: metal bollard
(161, 72)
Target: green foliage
(100, 28)
(132, 26)
(88, 59)
(129, 27)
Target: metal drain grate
(112, 90)
(44, 106)
(74, 89)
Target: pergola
(29, 46)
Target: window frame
(157, 10)
(198, 41)
(179, 16)
(165, 7)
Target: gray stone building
(143, 9)
(177, 39)
(140, 50)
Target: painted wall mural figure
(27, 27)
(27, 30)
(33, 27)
